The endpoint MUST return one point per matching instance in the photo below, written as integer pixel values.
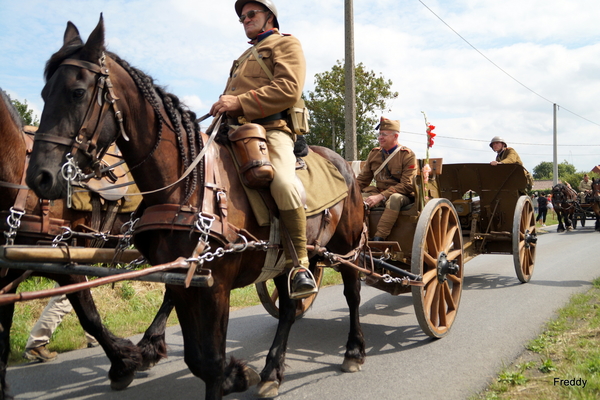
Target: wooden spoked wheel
(524, 237)
(437, 255)
(269, 296)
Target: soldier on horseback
(393, 167)
(264, 82)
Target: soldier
(393, 167)
(585, 188)
(264, 82)
(508, 155)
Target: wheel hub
(445, 267)
(530, 238)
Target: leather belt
(274, 117)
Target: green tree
(545, 170)
(25, 112)
(326, 105)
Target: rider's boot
(302, 282)
(386, 223)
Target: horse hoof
(123, 383)
(268, 389)
(350, 365)
(253, 376)
(146, 366)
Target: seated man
(393, 168)
(508, 155)
(585, 188)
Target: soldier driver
(262, 85)
(393, 167)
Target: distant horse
(159, 138)
(12, 170)
(564, 200)
(596, 201)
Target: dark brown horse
(12, 169)
(564, 200)
(159, 138)
(596, 201)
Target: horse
(205, 210)
(595, 200)
(13, 154)
(564, 200)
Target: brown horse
(596, 201)
(12, 169)
(564, 200)
(159, 138)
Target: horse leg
(355, 347)
(124, 356)
(203, 315)
(153, 346)
(561, 227)
(272, 374)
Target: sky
(478, 68)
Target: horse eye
(78, 93)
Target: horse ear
(71, 35)
(94, 46)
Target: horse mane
(180, 116)
(12, 110)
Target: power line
(487, 141)
(500, 68)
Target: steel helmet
(496, 139)
(239, 4)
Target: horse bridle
(102, 98)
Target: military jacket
(260, 96)
(583, 185)
(509, 156)
(396, 177)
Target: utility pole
(555, 151)
(350, 89)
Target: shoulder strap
(262, 63)
(386, 161)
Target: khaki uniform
(584, 187)
(262, 98)
(510, 156)
(395, 178)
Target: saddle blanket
(319, 173)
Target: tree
(545, 170)
(326, 106)
(25, 112)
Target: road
(497, 316)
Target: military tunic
(509, 156)
(262, 99)
(396, 177)
(259, 96)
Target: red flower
(430, 135)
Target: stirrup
(302, 293)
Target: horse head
(82, 114)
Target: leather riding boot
(302, 282)
(386, 223)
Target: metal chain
(14, 223)
(390, 279)
(66, 234)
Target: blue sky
(552, 48)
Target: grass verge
(561, 363)
(127, 308)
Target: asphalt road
(497, 316)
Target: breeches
(283, 187)
(395, 202)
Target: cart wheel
(582, 218)
(437, 255)
(269, 297)
(524, 237)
